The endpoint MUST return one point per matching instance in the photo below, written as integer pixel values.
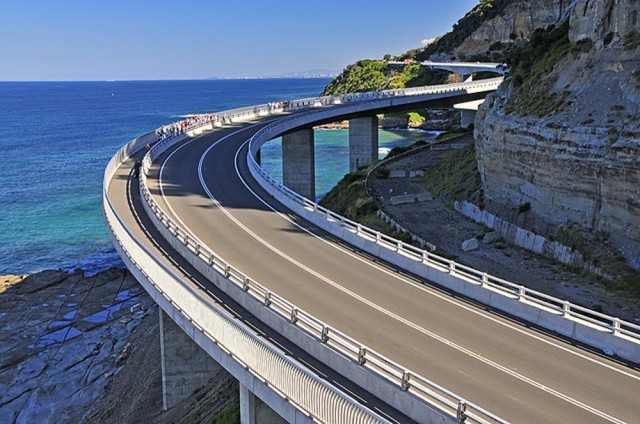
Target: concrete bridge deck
(125, 195)
(520, 373)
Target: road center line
(353, 294)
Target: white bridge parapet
(610, 334)
(467, 68)
(288, 386)
(407, 391)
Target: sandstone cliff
(575, 156)
(514, 24)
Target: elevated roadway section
(409, 340)
(467, 69)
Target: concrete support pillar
(363, 142)
(298, 163)
(466, 77)
(254, 411)
(185, 366)
(467, 118)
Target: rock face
(77, 349)
(63, 338)
(594, 19)
(582, 163)
(518, 22)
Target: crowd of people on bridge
(277, 105)
(177, 128)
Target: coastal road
(522, 374)
(125, 196)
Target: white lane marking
(419, 286)
(161, 173)
(355, 295)
(379, 308)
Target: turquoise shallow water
(332, 153)
(57, 137)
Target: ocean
(57, 137)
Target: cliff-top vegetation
(378, 74)
(373, 75)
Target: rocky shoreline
(64, 337)
(81, 349)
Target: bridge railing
(406, 380)
(250, 112)
(283, 374)
(613, 325)
(387, 94)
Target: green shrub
(533, 89)
(403, 149)
(608, 38)
(373, 75)
(632, 40)
(456, 177)
(365, 75)
(415, 117)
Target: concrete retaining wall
(520, 236)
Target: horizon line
(170, 79)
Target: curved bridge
(301, 311)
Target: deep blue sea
(57, 137)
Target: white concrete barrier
(421, 400)
(594, 329)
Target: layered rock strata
(517, 23)
(580, 164)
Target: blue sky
(145, 39)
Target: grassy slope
(456, 177)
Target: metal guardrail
(435, 395)
(322, 401)
(368, 358)
(613, 324)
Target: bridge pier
(255, 411)
(185, 366)
(467, 118)
(363, 142)
(298, 163)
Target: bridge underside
(298, 167)
(187, 368)
(444, 103)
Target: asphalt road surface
(522, 374)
